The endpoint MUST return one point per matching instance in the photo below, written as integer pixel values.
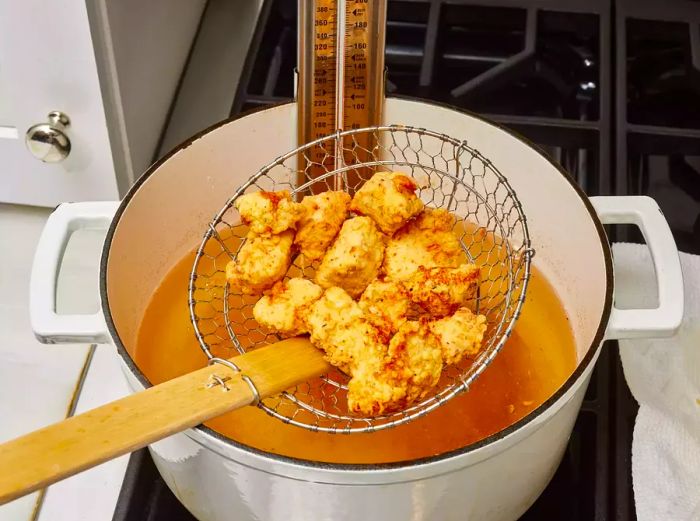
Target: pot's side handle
(664, 320)
(49, 327)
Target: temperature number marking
(355, 113)
(340, 78)
(323, 96)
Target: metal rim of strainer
(498, 204)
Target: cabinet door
(47, 63)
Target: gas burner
(521, 62)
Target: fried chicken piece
(323, 217)
(285, 307)
(370, 393)
(262, 261)
(410, 369)
(353, 260)
(269, 212)
(459, 335)
(385, 305)
(427, 241)
(389, 198)
(414, 357)
(440, 291)
(384, 379)
(338, 327)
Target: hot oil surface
(533, 364)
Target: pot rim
(203, 432)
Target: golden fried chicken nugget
(269, 212)
(414, 357)
(370, 393)
(385, 304)
(285, 307)
(459, 335)
(338, 327)
(426, 241)
(262, 261)
(353, 260)
(410, 369)
(323, 216)
(389, 198)
(440, 291)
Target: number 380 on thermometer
(340, 69)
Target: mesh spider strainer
(490, 224)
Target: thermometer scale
(341, 70)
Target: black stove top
(609, 88)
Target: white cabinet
(47, 63)
(111, 67)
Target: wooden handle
(58, 451)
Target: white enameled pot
(164, 216)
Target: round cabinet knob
(48, 141)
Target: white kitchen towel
(664, 377)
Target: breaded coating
(285, 307)
(338, 327)
(410, 369)
(440, 291)
(262, 261)
(389, 198)
(353, 260)
(269, 212)
(385, 305)
(323, 216)
(370, 393)
(427, 241)
(386, 379)
(414, 357)
(459, 335)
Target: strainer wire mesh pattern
(490, 225)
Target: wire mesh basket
(490, 225)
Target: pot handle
(49, 327)
(664, 320)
